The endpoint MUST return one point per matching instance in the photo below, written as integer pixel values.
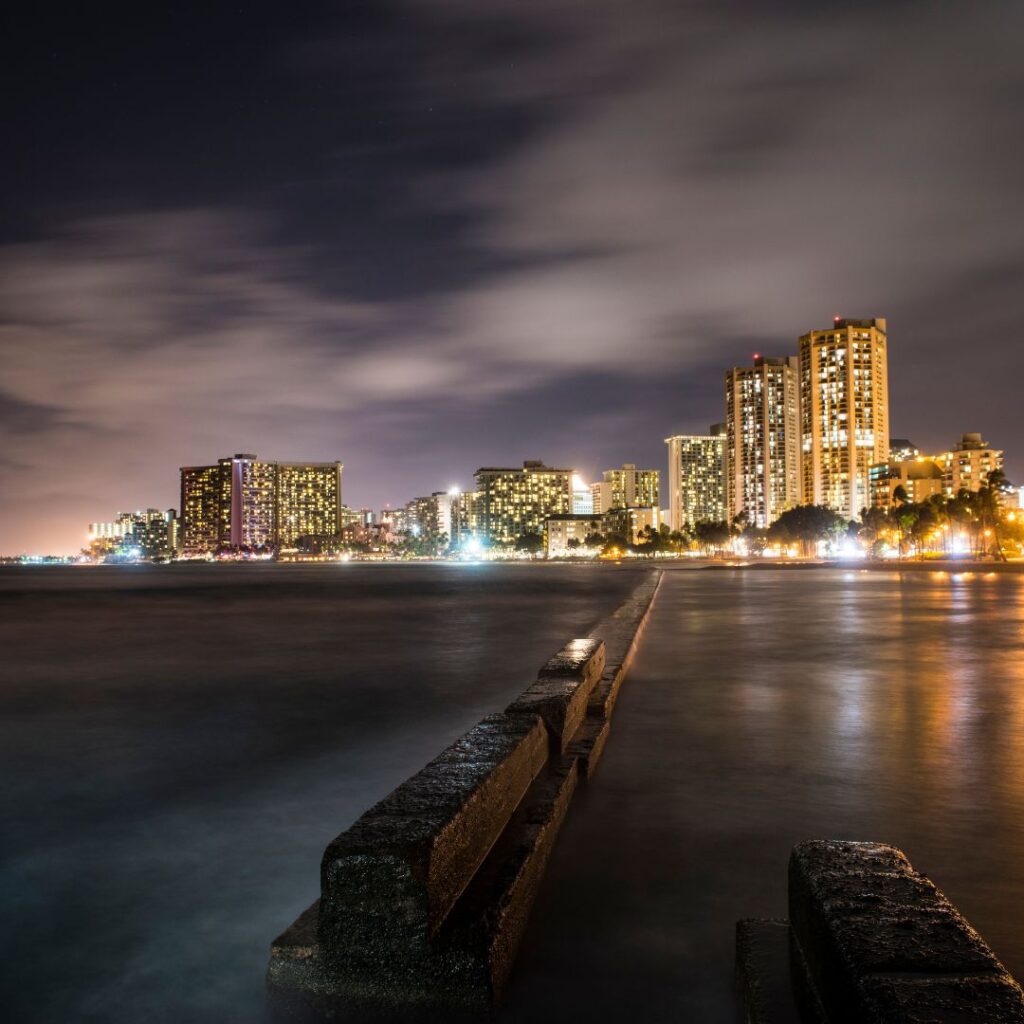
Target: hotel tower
(762, 439)
(245, 502)
(844, 412)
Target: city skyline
(676, 518)
(422, 263)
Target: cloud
(520, 201)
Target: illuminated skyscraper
(762, 439)
(696, 478)
(844, 411)
(200, 509)
(308, 501)
(467, 517)
(514, 502)
(248, 489)
(243, 502)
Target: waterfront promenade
(765, 708)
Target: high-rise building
(434, 516)
(696, 477)
(449, 508)
(762, 439)
(248, 508)
(467, 518)
(308, 501)
(844, 411)
(626, 487)
(966, 466)
(243, 502)
(200, 509)
(514, 502)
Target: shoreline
(953, 566)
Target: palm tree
(989, 500)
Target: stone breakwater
(425, 899)
(869, 940)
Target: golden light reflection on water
(916, 679)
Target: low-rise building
(920, 478)
(150, 533)
(568, 532)
(966, 466)
(631, 522)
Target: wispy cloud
(561, 196)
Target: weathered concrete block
(466, 965)
(388, 883)
(872, 932)
(976, 999)
(621, 632)
(562, 690)
(295, 961)
(768, 981)
(589, 742)
(481, 946)
(425, 899)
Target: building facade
(246, 503)
(696, 477)
(568, 533)
(200, 509)
(151, 533)
(582, 496)
(515, 502)
(920, 478)
(966, 466)
(248, 510)
(467, 517)
(308, 501)
(626, 487)
(762, 439)
(436, 516)
(844, 412)
(631, 522)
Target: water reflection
(768, 707)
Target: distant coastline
(952, 566)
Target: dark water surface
(766, 707)
(179, 744)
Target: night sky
(422, 237)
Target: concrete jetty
(424, 900)
(869, 940)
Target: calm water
(179, 745)
(768, 707)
